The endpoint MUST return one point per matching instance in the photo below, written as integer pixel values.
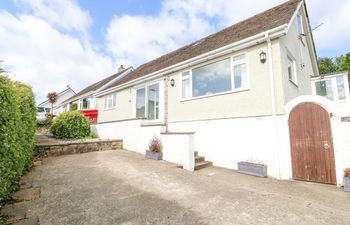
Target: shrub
(74, 107)
(347, 172)
(155, 145)
(71, 125)
(17, 132)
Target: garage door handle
(326, 146)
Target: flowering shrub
(347, 172)
(155, 145)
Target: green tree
(344, 63)
(327, 65)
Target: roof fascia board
(123, 74)
(247, 42)
(294, 16)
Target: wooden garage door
(311, 144)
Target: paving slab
(14, 211)
(121, 187)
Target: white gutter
(253, 40)
(273, 102)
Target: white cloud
(65, 14)
(137, 39)
(47, 59)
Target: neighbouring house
(241, 94)
(334, 86)
(45, 106)
(85, 100)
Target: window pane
(341, 88)
(86, 103)
(324, 88)
(240, 75)
(153, 102)
(300, 24)
(186, 88)
(106, 99)
(114, 99)
(140, 103)
(212, 78)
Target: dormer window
(300, 25)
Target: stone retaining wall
(76, 147)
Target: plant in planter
(346, 179)
(155, 149)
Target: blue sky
(51, 43)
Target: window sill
(149, 123)
(108, 109)
(214, 95)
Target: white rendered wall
(225, 142)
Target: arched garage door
(311, 144)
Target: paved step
(198, 159)
(202, 165)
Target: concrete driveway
(121, 187)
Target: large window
(223, 76)
(110, 101)
(147, 102)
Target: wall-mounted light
(262, 57)
(172, 82)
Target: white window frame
(232, 64)
(161, 101)
(300, 27)
(294, 79)
(333, 80)
(105, 101)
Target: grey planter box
(254, 169)
(346, 183)
(154, 155)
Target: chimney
(121, 68)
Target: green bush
(17, 132)
(71, 125)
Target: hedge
(17, 132)
(71, 125)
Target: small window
(300, 24)
(110, 101)
(291, 70)
(85, 103)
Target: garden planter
(154, 155)
(346, 183)
(254, 169)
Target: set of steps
(200, 162)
